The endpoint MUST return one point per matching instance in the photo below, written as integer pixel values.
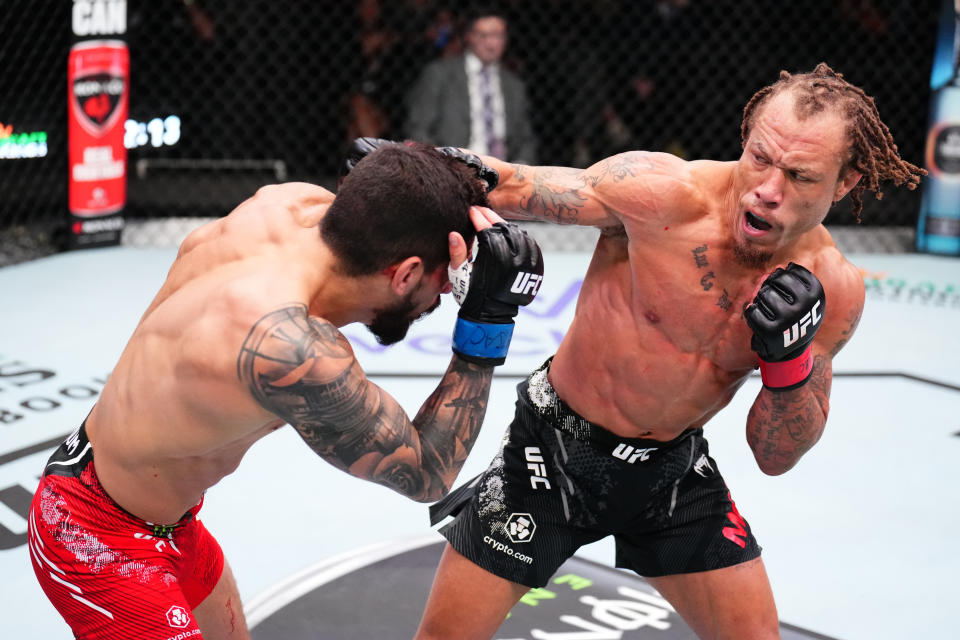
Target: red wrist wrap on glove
(790, 374)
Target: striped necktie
(495, 145)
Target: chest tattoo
(705, 281)
(724, 301)
(700, 256)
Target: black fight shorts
(559, 482)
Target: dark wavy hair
(402, 200)
(873, 153)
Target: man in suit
(472, 100)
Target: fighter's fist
(489, 175)
(505, 275)
(784, 316)
(359, 149)
(362, 147)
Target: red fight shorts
(109, 573)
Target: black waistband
(72, 456)
(537, 392)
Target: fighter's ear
(405, 275)
(846, 182)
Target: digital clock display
(157, 132)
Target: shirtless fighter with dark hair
(244, 337)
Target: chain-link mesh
(227, 96)
(34, 41)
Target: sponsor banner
(98, 82)
(910, 286)
(16, 145)
(98, 18)
(938, 227)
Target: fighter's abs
(654, 346)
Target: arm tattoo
(303, 370)
(620, 167)
(558, 201)
(449, 421)
(784, 425)
(853, 318)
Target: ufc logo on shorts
(536, 467)
(799, 329)
(526, 283)
(160, 542)
(73, 441)
(632, 454)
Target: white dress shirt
(478, 134)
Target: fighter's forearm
(784, 425)
(302, 369)
(564, 195)
(449, 423)
(550, 194)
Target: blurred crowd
(599, 76)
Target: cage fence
(227, 96)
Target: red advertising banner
(98, 87)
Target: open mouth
(758, 223)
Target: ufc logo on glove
(799, 329)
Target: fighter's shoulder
(305, 202)
(292, 192)
(841, 275)
(288, 325)
(830, 265)
(632, 173)
(845, 293)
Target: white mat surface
(858, 538)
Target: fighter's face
(487, 39)
(390, 325)
(787, 178)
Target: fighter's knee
(763, 627)
(431, 632)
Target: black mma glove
(784, 316)
(361, 147)
(489, 175)
(506, 274)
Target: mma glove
(784, 316)
(506, 274)
(362, 147)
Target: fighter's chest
(696, 302)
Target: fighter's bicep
(841, 316)
(640, 186)
(303, 370)
(845, 297)
(296, 365)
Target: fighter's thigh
(733, 602)
(220, 615)
(466, 601)
(108, 584)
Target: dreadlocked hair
(873, 153)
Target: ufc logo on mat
(526, 283)
(537, 469)
(799, 329)
(630, 454)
